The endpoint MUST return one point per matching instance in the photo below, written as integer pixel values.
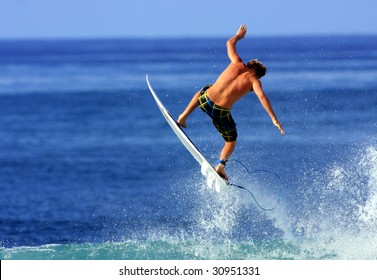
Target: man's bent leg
(189, 109)
(224, 156)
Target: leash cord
(252, 172)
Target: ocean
(89, 169)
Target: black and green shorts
(221, 117)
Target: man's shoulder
(236, 65)
(256, 85)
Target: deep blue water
(89, 169)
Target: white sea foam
(339, 220)
(368, 211)
(334, 217)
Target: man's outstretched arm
(231, 44)
(257, 87)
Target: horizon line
(154, 37)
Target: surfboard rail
(212, 177)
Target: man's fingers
(282, 132)
(242, 30)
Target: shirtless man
(217, 100)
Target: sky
(183, 18)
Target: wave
(333, 216)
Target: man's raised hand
(241, 31)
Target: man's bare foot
(182, 120)
(221, 171)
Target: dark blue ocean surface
(89, 169)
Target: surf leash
(252, 195)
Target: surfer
(217, 99)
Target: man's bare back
(233, 83)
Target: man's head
(257, 67)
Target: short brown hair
(258, 68)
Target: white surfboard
(212, 177)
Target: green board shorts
(221, 117)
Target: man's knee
(231, 143)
